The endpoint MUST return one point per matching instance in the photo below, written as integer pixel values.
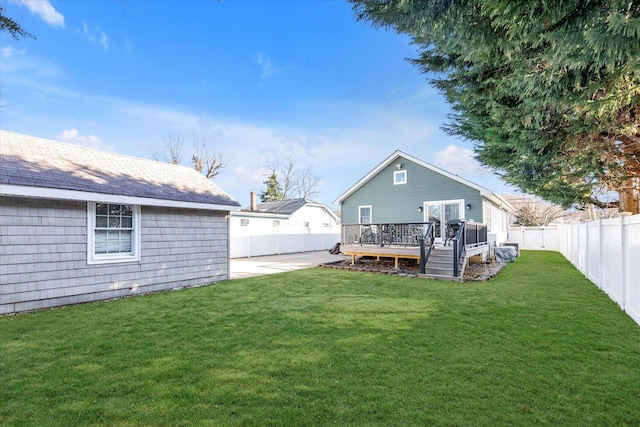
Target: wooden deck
(395, 252)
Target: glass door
(434, 214)
(442, 211)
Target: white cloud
(45, 11)
(7, 52)
(128, 46)
(457, 160)
(268, 69)
(104, 41)
(72, 136)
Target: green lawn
(537, 345)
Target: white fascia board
(500, 201)
(257, 214)
(83, 196)
(368, 176)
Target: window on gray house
(399, 177)
(114, 228)
(364, 214)
(114, 234)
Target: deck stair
(440, 264)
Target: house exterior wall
(315, 216)
(399, 203)
(262, 236)
(43, 253)
(497, 221)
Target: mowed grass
(538, 345)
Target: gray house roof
(283, 206)
(290, 206)
(29, 165)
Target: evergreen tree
(273, 191)
(550, 91)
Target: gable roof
(486, 193)
(31, 166)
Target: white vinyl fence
(607, 251)
(536, 238)
(285, 240)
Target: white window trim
(370, 213)
(93, 258)
(396, 173)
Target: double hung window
(114, 233)
(364, 214)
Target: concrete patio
(270, 264)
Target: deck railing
(458, 248)
(426, 245)
(468, 235)
(475, 234)
(460, 233)
(400, 234)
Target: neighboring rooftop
(35, 162)
(284, 206)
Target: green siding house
(405, 189)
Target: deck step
(440, 264)
(440, 277)
(436, 270)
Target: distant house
(405, 201)
(284, 226)
(404, 188)
(80, 225)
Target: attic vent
(244, 222)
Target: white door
(442, 211)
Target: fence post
(422, 257)
(600, 253)
(589, 244)
(455, 257)
(623, 265)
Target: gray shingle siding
(43, 252)
(399, 203)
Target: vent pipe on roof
(253, 205)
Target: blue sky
(261, 80)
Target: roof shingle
(37, 162)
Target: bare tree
(171, 151)
(207, 160)
(306, 183)
(295, 182)
(535, 212)
(286, 172)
